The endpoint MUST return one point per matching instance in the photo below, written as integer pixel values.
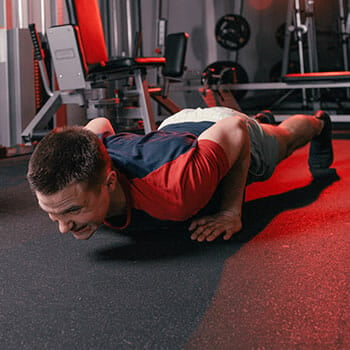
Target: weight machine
(299, 23)
(85, 73)
(296, 25)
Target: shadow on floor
(174, 241)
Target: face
(77, 209)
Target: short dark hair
(71, 155)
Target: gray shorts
(264, 151)
(264, 148)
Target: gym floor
(282, 283)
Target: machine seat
(113, 66)
(122, 64)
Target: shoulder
(138, 155)
(231, 134)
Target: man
(195, 167)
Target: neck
(117, 206)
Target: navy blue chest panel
(138, 155)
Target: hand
(210, 227)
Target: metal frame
(294, 23)
(275, 86)
(65, 53)
(5, 130)
(21, 77)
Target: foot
(321, 149)
(265, 117)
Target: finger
(197, 232)
(194, 225)
(200, 231)
(208, 232)
(198, 222)
(218, 231)
(215, 234)
(201, 228)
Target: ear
(111, 180)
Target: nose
(63, 226)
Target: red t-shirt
(168, 175)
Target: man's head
(72, 155)
(70, 173)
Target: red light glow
(260, 5)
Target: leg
(294, 132)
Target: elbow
(100, 126)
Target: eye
(74, 210)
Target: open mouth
(84, 232)
(80, 229)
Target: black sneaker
(321, 149)
(265, 117)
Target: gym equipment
(308, 28)
(81, 64)
(175, 46)
(280, 37)
(291, 82)
(276, 70)
(221, 73)
(217, 79)
(300, 25)
(122, 27)
(232, 32)
(345, 32)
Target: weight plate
(226, 72)
(232, 32)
